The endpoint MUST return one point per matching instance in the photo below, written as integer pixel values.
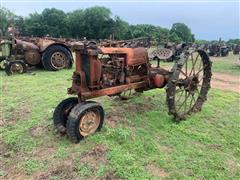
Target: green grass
(30, 166)
(206, 146)
(229, 64)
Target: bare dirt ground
(226, 82)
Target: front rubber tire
(75, 118)
(61, 113)
(20, 64)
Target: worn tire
(46, 57)
(75, 116)
(61, 113)
(8, 68)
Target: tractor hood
(19, 44)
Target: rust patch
(156, 171)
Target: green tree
(182, 31)
(97, 23)
(121, 29)
(162, 35)
(234, 41)
(75, 20)
(34, 25)
(19, 22)
(55, 22)
(6, 19)
(173, 37)
(142, 30)
(93, 23)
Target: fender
(44, 48)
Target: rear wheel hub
(16, 68)
(58, 60)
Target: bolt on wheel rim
(89, 123)
(16, 68)
(58, 60)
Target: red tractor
(113, 70)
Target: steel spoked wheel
(189, 84)
(89, 123)
(58, 60)
(84, 119)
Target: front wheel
(189, 83)
(84, 119)
(15, 67)
(61, 113)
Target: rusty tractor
(18, 54)
(136, 42)
(218, 50)
(111, 71)
(236, 49)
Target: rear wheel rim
(89, 122)
(189, 89)
(58, 60)
(191, 84)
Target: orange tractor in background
(111, 71)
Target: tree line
(93, 23)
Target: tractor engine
(123, 65)
(113, 70)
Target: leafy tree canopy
(93, 23)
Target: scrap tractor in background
(170, 50)
(218, 49)
(20, 53)
(113, 71)
(236, 49)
